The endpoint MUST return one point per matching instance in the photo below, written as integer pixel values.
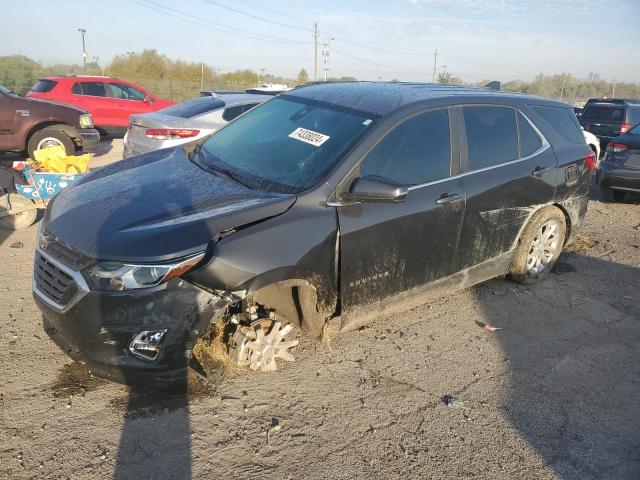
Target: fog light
(147, 344)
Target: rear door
(92, 97)
(508, 170)
(386, 248)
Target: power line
(274, 22)
(203, 22)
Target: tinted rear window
(634, 116)
(93, 89)
(563, 121)
(44, 86)
(193, 107)
(604, 113)
(492, 136)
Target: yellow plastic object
(55, 160)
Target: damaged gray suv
(316, 210)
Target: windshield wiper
(216, 169)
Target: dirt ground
(427, 394)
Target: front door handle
(540, 171)
(447, 198)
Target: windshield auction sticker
(309, 136)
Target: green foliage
(19, 73)
(303, 77)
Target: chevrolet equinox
(325, 206)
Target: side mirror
(376, 189)
(147, 99)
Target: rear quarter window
(634, 116)
(44, 86)
(563, 121)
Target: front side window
(92, 89)
(284, 145)
(126, 92)
(492, 136)
(416, 151)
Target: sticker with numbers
(309, 136)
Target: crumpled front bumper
(98, 329)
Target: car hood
(154, 207)
(54, 104)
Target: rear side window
(44, 86)
(529, 139)
(634, 116)
(492, 137)
(92, 89)
(563, 121)
(417, 151)
(232, 112)
(195, 106)
(604, 113)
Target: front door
(387, 248)
(8, 107)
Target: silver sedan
(185, 122)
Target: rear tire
(17, 221)
(50, 136)
(539, 246)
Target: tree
(445, 77)
(303, 77)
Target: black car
(619, 171)
(323, 207)
(608, 118)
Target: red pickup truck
(29, 124)
(109, 100)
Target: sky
(371, 39)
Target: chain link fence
(21, 82)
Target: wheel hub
(258, 345)
(543, 247)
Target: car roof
(231, 99)
(611, 102)
(84, 78)
(382, 98)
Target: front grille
(53, 282)
(72, 258)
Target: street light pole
(325, 54)
(84, 50)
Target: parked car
(619, 171)
(317, 209)
(29, 124)
(184, 122)
(608, 118)
(593, 142)
(109, 100)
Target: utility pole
(613, 90)
(84, 50)
(325, 54)
(564, 80)
(435, 65)
(261, 76)
(316, 34)
(202, 77)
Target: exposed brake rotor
(259, 344)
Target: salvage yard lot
(554, 393)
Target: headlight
(86, 120)
(116, 277)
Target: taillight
(617, 147)
(590, 161)
(625, 127)
(171, 133)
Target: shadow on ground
(575, 367)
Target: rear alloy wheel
(50, 137)
(16, 212)
(258, 345)
(539, 246)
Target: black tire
(611, 195)
(54, 133)
(522, 269)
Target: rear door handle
(448, 198)
(540, 171)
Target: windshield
(6, 91)
(284, 145)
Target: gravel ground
(427, 394)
